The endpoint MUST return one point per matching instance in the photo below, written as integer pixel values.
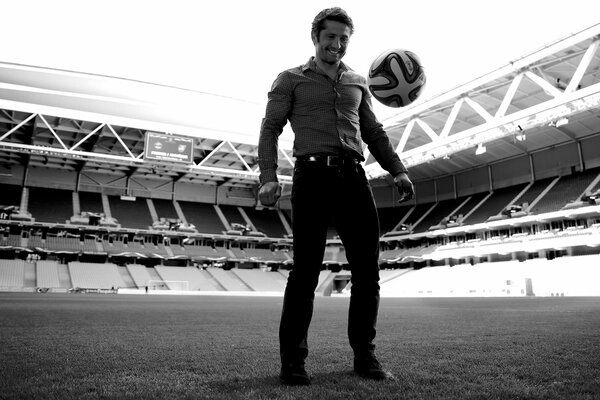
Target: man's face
(332, 42)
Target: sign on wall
(163, 147)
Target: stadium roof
(70, 120)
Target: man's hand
(404, 186)
(269, 193)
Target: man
(330, 111)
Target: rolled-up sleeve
(279, 106)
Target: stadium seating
(95, 276)
(229, 280)
(534, 191)
(495, 204)
(47, 274)
(202, 216)
(165, 209)
(540, 277)
(131, 214)
(266, 221)
(568, 189)
(139, 274)
(11, 195)
(11, 274)
(429, 249)
(261, 281)
(196, 278)
(92, 246)
(205, 252)
(13, 240)
(442, 209)
(63, 243)
(232, 215)
(389, 217)
(91, 202)
(50, 205)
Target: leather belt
(328, 161)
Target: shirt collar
(312, 65)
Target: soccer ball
(396, 78)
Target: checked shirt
(328, 117)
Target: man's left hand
(405, 187)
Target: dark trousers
(321, 194)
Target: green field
(93, 346)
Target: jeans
(343, 195)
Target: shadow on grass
(342, 384)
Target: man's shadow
(269, 385)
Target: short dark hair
(331, 14)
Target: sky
(236, 48)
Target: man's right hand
(269, 193)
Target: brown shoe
(370, 368)
(294, 374)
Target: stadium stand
(417, 251)
(335, 255)
(64, 276)
(495, 204)
(13, 240)
(442, 210)
(139, 274)
(130, 214)
(261, 281)
(539, 277)
(229, 280)
(568, 189)
(116, 244)
(196, 278)
(50, 205)
(266, 221)
(126, 276)
(417, 213)
(92, 245)
(29, 275)
(165, 209)
(389, 217)
(11, 274)
(202, 216)
(63, 243)
(95, 276)
(470, 205)
(11, 195)
(232, 215)
(91, 202)
(262, 255)
(206, 252)
(534, 191)
(47, 274)
(35, 241)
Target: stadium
(110, 194)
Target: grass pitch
(84, 346)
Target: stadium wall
(590, 153)
(49, 178)
(556, 161)
(150, 187)
(11, 174)
(551, 162)
(474, 181)
(511, 172)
